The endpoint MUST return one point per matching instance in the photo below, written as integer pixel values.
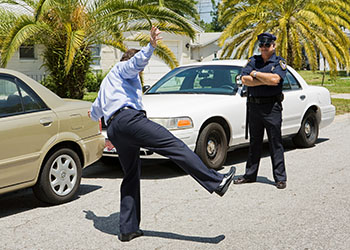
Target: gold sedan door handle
(46, 121)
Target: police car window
(209, 79)
(286, 84)
(294, 84)
(172, 81)
(203, 76)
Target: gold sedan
(45, 140)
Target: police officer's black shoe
(281, 184)
(226, 181)
(130, 236)
(242, 180)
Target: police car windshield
(208, 79)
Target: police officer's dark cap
(266, 38)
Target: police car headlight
(174, 123)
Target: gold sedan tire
(60, 177)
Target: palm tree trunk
(324, 71)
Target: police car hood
(176, 105)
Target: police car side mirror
(239, 81)
(244, 91)
(239, 84)
(145, 88)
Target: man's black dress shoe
(242, 180)
(130, 236)
(226, 181)
(281, 184)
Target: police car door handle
(302, 97)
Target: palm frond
(162, 51)
(308, 25)
(27, 5)
(116, 44)
(75, 40)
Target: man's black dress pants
(129, 131)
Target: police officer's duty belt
(265, 100)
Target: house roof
(196, 27)
(203, 39)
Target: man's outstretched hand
(155, 36)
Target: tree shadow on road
(23, 200)
(110, 225)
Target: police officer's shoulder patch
(283, 64)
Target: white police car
(203, 105)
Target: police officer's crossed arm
(256, 78)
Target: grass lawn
(90, 96)
(339, 85)
(342, 105)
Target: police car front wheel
(212, 145)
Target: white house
(28, 59)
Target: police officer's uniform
(265, 112)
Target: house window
(26, 52)
(96, 55)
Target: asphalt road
(312, 213)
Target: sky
(204, 8)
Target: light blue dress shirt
(122, 86)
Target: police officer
(264, 77)
(119, 101)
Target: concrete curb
(341, 96)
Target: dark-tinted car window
(16, 97)
(293, 81)
(290, 83)
(213, 79)
(10, 100)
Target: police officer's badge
(283, 64)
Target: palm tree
(185, 8)
(69, 28)
(313, 26)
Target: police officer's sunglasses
(266, 45)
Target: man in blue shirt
(264, 76)
(119, 101)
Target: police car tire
(43, 189)
(304, 139)
(212, 138)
